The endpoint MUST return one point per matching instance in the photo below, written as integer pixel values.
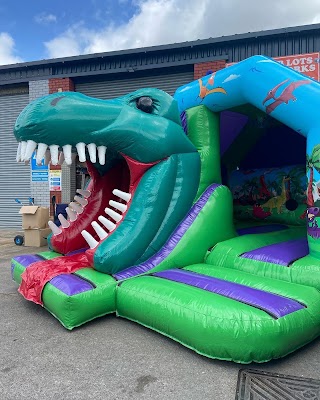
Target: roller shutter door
(110, 89)
(14, 177)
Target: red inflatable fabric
(39, 273)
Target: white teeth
(47, 157)
(100, 231)
(64, 222)
(84, 193)
(81, 200)
(23, 149)
(42, 147)
(67, 153)
(92, 148)
(108, 224)
(123, 195)
(89, 239)
(119, 206)
(18, 158)
(71, 214)
(102, 154)
(76, 207)
(117, 217)
(54, 150)
(81, 149)
(55, 230)
(61, 158)
(31, 146)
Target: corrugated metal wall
(14, 177)
(110, 89)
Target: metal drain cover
(260, 385)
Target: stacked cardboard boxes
(35, 224)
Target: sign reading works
(306, 64)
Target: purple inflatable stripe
(27, 259)
(172, 241)
(78, 251)
(280, 253)
(273, 304)
(71, 284)
(261, 229)
(184, 123)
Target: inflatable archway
(159, 238)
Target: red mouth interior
(125, 176)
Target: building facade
(108, 75)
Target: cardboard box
(34, 217)
(36, 237)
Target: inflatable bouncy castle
(201, 217)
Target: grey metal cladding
(272, 43)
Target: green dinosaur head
(144, 170)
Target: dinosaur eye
(145, 104)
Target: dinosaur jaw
(105, 203)
(98, 210)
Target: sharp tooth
(64, 222)
(47, 158)
(92, 148)
(55, 230)
(76, 207)
(41, 152)
(119, 206)
(108, 224)
(81, 200)
(54, 150)
(61, 158)
(71, 214)
(84, 193)
(67, 153)
(102, 154)
(123, 195)
(18, 158)
(89, 239)
(81, 149)
(31, 146)
(117, 217)
(100, 231)
(23, 149)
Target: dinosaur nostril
(55, 101)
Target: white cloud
(7, 50)
(169, 21)
(70, 43)
(45, 18)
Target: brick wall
(61, 85)
(39, 190)
(38, 89)
(201, 69)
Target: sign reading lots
(306, 64)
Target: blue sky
(38, 29)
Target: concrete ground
(109, 358)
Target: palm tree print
(313, 163)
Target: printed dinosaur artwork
(275, 194)
(285, 96)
